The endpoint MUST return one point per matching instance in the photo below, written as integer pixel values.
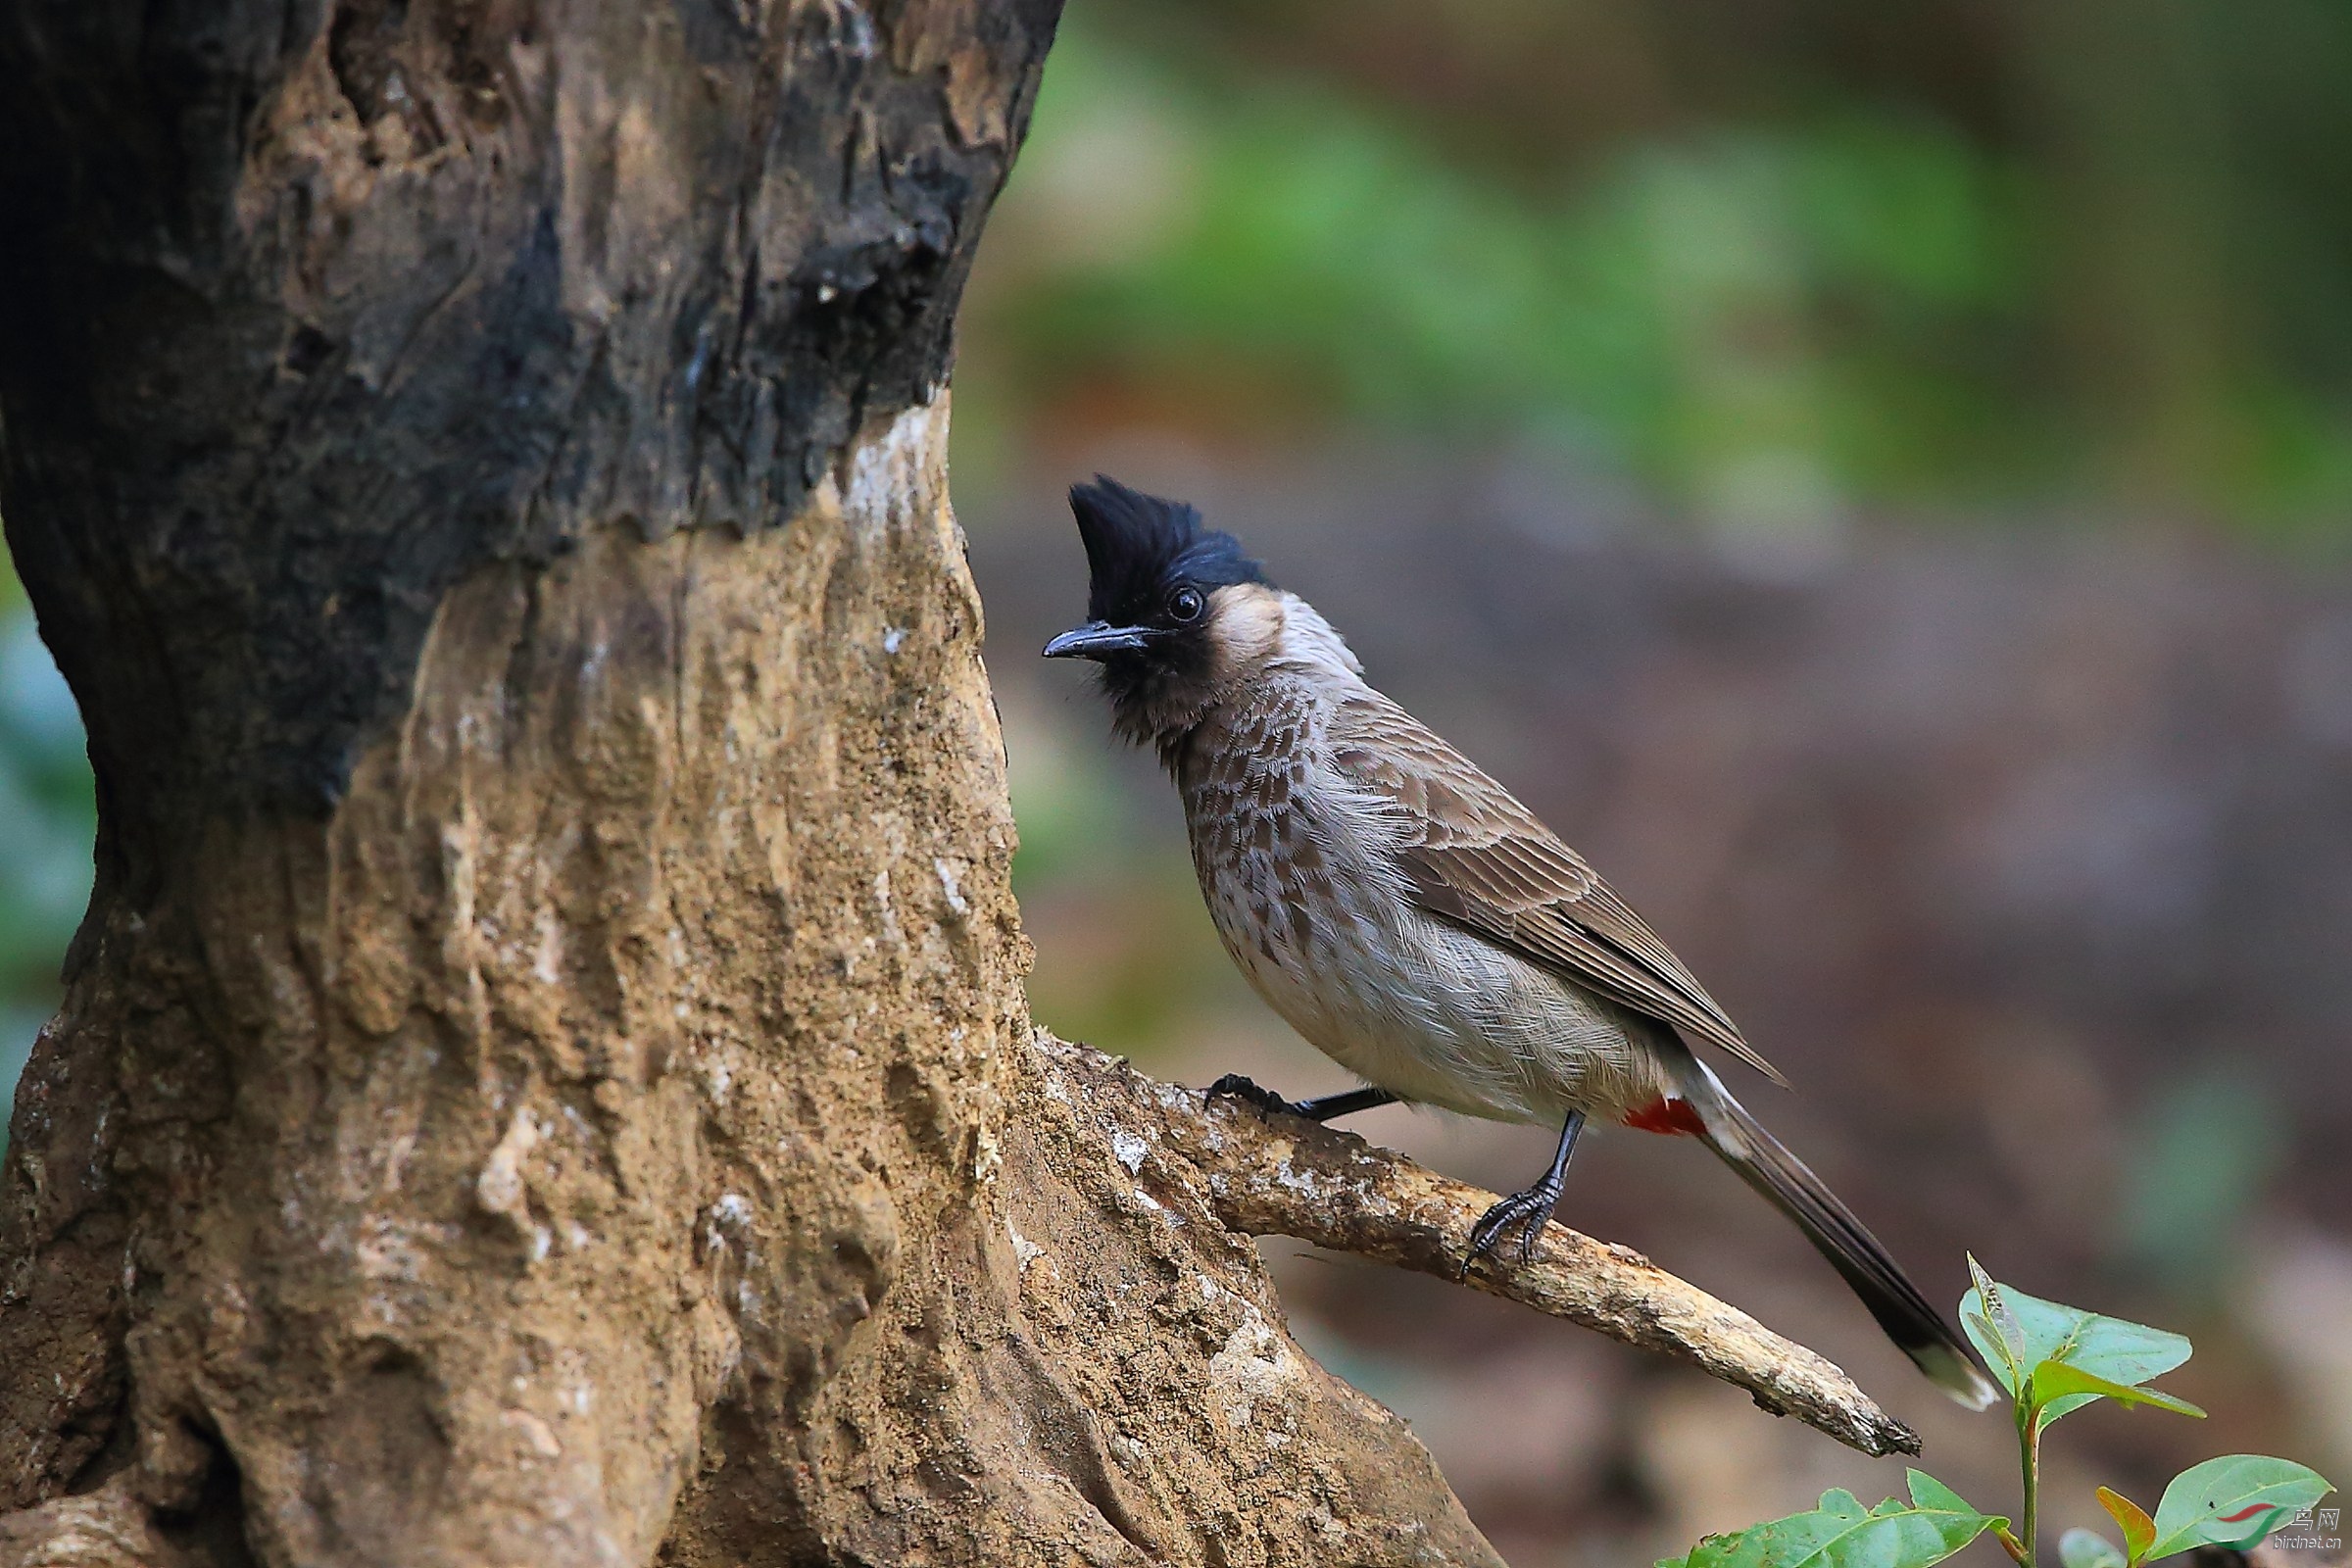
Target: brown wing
(1474, 856)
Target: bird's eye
(1185, 603)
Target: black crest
(1136, 545)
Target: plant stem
(2028, 1458)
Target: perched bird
(1408, 916)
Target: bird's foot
(1529, 1211)
(1237, 1086)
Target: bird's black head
(1158, 584)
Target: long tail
(1916, 1326)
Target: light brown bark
(605, 1137)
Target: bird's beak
(1097, 639)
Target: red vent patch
(1670, 1116)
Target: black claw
(1236, 1085)
(1321, 1108)
(1529, 1211)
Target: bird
(1407, 915)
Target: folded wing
(1473, 856)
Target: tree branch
(1283, 1176)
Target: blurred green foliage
(47, 801)
(1775, 296)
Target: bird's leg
(1529, 1209)
(1346, 1102)
(1323, 1107)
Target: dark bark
(310, 310)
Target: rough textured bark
(539, 1077)
(544, 1076)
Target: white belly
(1423, 1010)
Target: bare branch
(1282, 1176)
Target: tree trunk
(544, 1077)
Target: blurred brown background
(1879, 480)
(1876, 481)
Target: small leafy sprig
(2052, 1360)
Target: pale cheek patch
(1245, 628)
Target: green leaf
(1932, 1494)
(2026, 1331)
(2139, 1531)
(1843, 1534)
(1989, 1345)
(2053, 1380)
(1996, 1332)
(2233, 1501)
(2088, 1549)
